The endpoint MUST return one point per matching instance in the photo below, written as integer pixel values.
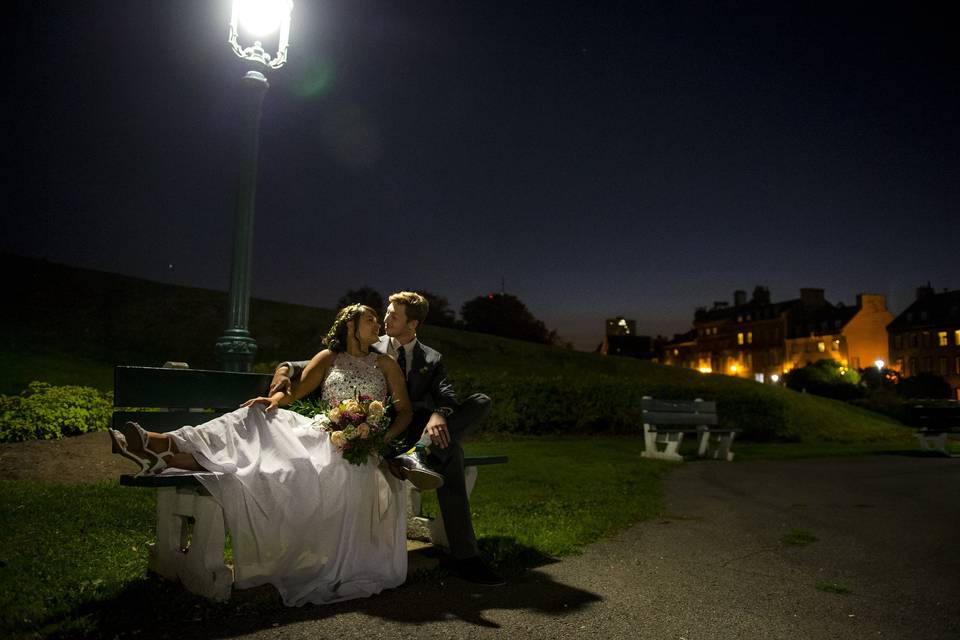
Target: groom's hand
(281, 382)
(438, 430)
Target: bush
(607, 404)
(924, 385)
(827, 378)
(46, 412)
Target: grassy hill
(70, 326)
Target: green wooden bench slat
(656, 417)
(185, 388)
(163, 421)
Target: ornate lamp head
(260, 18)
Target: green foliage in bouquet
(46, 412)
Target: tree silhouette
(364, 295)
(440, 313)
(504, 315)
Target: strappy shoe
(119, 442)
(151, 463)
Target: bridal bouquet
(356, 426)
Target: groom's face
(395, 323)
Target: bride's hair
(336, 338)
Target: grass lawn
(18, 369)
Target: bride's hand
(270, 403)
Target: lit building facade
(925, 338)
(761, 339)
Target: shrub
(612, 404)
(924, 385)
(827, 378)
(46, 412)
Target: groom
(439, 423)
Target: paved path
(887, 529)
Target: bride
(300, 516)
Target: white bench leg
(930, 442)
(670, 441)
(438, 535)
(194, 560)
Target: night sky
(600, 158)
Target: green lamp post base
(236, 350)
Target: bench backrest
(943, 414)
(183, 396)
(678, 412)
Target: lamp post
(236, 347)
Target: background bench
(666, 422)
(190, 526)
(935, 421)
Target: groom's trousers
(452, 496)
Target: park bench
(666, 422)
(935, 421)
(191, 534)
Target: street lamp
(259, 18)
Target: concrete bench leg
(653, 440)
(930, 442)
(716, 445)
(195, 558)
(438, 535)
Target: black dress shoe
(416, 471)
(474, 570)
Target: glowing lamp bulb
(879, 364)
(775, 378)
(261, 17)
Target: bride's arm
(313, 375)
(398, 389)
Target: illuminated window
(739, 338)
(749, 337)
(956, 337)
(956, 364)
(835, 345)
(821, 347)
(942, 339)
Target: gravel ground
(887, 530)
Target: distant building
(621, 339)
(621, 327)
(925, 338)
(761, 339)
(681, 351)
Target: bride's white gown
(300, 516)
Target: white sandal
(151, 463)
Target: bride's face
(368, 328)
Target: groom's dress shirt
(393, 351)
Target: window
(942, 339)
(925, 364)
(926, 338)
(835, 345)
(898, 341)
(914, 368)
(821, 347)
(956, 337)
(956, 364)
(749, 337)
(739, 338)
(899, 365)
(943, 367)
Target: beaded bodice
(350, 375)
